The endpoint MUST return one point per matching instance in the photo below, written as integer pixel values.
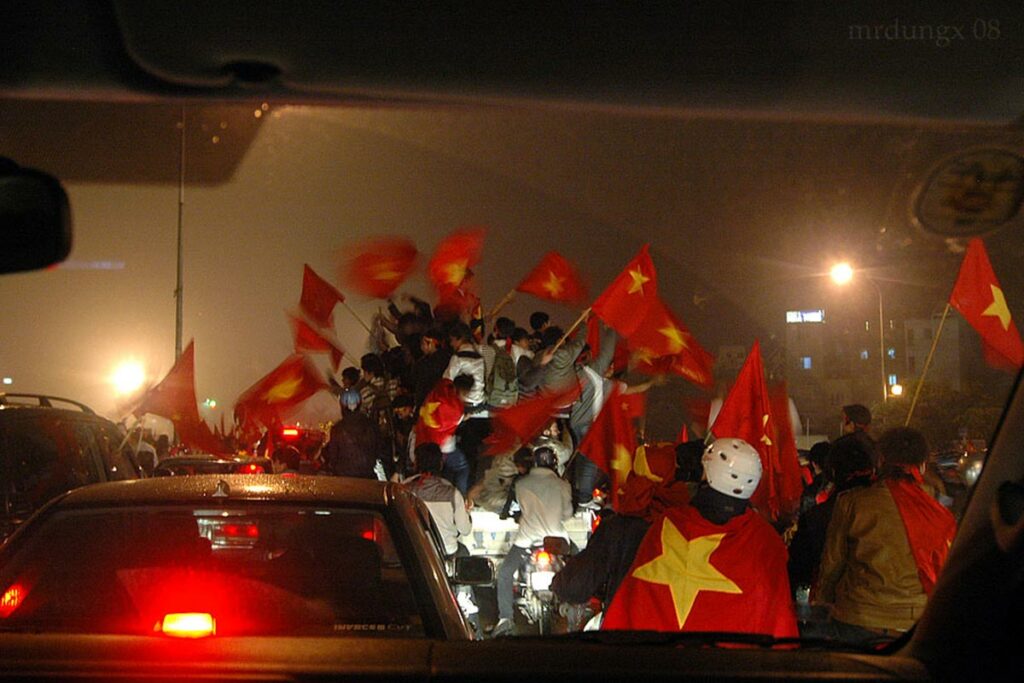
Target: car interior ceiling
(760, 61)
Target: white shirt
(546, 502)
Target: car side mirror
(473, 571)
(35, 219)
(556, 545)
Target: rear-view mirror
(35, 219)
(473, 571)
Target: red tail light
(188, 625)
(251, 468)
(542, 558)
(11, 600)
(240, 531)
(368, 535)
(289, 432)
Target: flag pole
(356, 316)
(568, 333)
(927, 364)
(505, 301)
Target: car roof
(321, 490)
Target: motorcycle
(534, 598)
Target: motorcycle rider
(545, 502)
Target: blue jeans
(456, 470)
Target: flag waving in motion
(319, 298)
(379, 267)
(661, 343)
(307, 338)
(611, 440)
(625, 302)
(454, 257)
(555, 279)
(280, 390)
(980, 300)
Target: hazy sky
(741, 214)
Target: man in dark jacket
(355, 446)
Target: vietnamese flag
(692, 575)
(309, 339)
(611, 441)
(175, 398)
(454, 257)
(319, 298)
(980, 300)
(555, 279)
(440, 414)
(746, 414)
(283, 388)
(786, 473)
(624, 303)
(930, 529)
(661, 343)
(519, 424)
(380, 266)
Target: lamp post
(842, 274)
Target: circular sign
(971, 194)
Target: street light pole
(881, 340)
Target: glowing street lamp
(896, 389)
(128, 377)
(842, 274)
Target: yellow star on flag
(764, 427)
(685, 567)
(428, 413)
(643, 355)
(385, 272)
(638, 282)
(553, 285)
(283, 390)
(455, 272)
(643, 468)
(676, 339)
(622, 462)
(998, 308)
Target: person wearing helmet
(545, 502)
(354, 445)
(714, 565)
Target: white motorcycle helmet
(732, 467)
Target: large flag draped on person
(175, 398)
(692, 575)
(268, 400)
(929, 526)
(611, 441)
(625, 302)
(980, 300)
(520, 423)
(309, 339)
(746, 414)
(319, 298)
(555, 279)
(662, 344)
(378, 267)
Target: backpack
(502, 383)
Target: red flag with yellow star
(692, 575)
(520, 423)
(746, 414)
(380, 266)
(624, 303)
(662, 344)
(319, 297)
(980, 300)
(175, 398)
(280, 390)
(555, 279)
(611, 440)
(440, 414)
(454, 257)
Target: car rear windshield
(255, 571)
